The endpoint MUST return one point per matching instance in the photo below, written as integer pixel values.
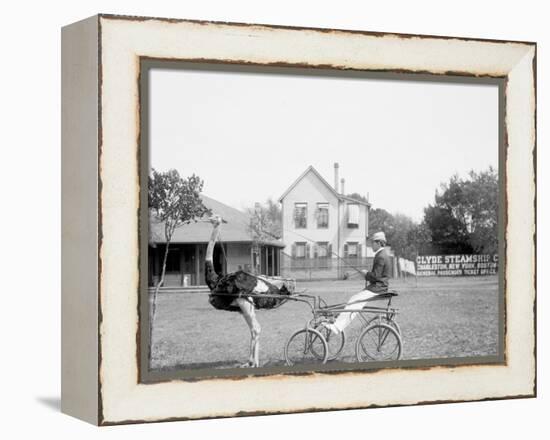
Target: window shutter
(345, 250)
(359, 251)
(308, 250)
(315, 250)
(293, 250)
(329, 250)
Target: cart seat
(385, 295)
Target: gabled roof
(234, 231)
(328, 185)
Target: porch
(185, 262)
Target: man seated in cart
(376, 284)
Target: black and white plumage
(259, 290)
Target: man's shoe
(331, 327)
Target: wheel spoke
(335, 342)
(378, 342)
(306, 342)
(306, 346)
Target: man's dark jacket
(378, 277)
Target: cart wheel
(306, 346)
(335, 342)
(385, 320)
(378, 342)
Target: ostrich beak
(213, 219)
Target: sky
(250, 135)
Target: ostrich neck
(210, 248)
(210, 275)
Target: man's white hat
(379, 236)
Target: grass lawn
(439, 317)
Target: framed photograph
(264, 219)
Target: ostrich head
(216, 220)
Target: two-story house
(323, 230)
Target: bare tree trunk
(154, 306)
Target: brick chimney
(342, 183)
(336, 166)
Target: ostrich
(229, 292)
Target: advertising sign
(456, 265)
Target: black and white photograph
(268, 219)
(315, 220)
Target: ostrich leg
(249, 313)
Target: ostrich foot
(249, 364)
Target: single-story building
(235, 250)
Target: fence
(426, 265)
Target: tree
(481, 194)
(174, 201)
(448, 234)
(266, 221)
(464, 216)
(359, 197)
(404, 235)
(403, 239)
(402, 232)
(420, 238)
(381, 220)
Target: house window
(353, 249)
(353, 215)
(300, 215)
(322, 215)
(300, 250)
(322, 249)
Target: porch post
(156, 265)
(182, 264)
(197, 269)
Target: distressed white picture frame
(101, 202)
